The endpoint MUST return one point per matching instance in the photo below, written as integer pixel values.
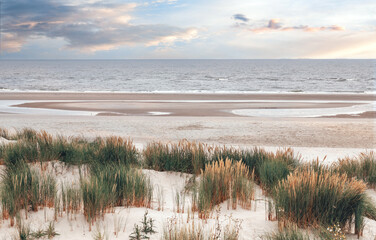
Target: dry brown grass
(224, 180)
(362, 167)
(312, 198)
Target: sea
(189, 76)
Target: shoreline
(57, 95)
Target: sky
(188, 29)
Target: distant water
(189, 75)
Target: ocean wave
(297, 91)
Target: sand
(4, 141)
(199, 117)
(190, 104)
(207, 118)
(120, 223)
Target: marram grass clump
(362, 167)
(268, 167)
(221, 181)
(115, 150)
(71, 199)
(14, 153)
(187, 157)
(112, 186)
(271, 172)
(23, 188)
(33, 146)
(41, 147)
(311, 198)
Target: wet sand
(115, 104)
(200, 109)
(128, 115)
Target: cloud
(164, 1)
(319, 45)
(11, 42)
(90, 27)
(83, 37)
(240, 17)
(276, 25)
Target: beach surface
(335, 125)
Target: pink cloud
(276, 25)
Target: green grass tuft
(113, 186)
(187, 157)
(22, 188)
(115, 150)
(312, 199)
(268, 167)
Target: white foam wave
(159, 113)
(192, 92)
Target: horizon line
(121, 59)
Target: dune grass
(45, 145)
(190, 157)
(180, 229)
(111, 150)
(114, 185)
(4, 133)
(311, 199)
(268, 167)
(34, 146)
(310, 195)
(271, 172)
(23, 187)
(221, 181)
(184, 232)
(177, 229)
(362, 167)
(71, 199)
(73, 151)
(187, 157)
(115, 150)
(26, 134)
(17, 152)
(287, 234)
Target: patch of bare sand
(244, 131)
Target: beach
(204, 118)
(207, 118)
(187, 120)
